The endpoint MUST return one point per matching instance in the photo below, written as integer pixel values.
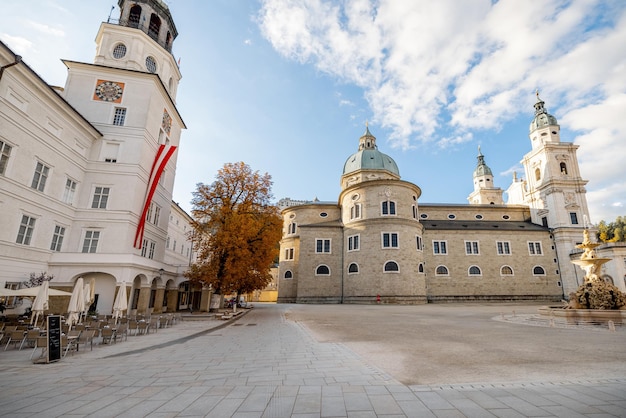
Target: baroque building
(87, 170)
(378, 244)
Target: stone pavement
(264, 365)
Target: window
(152, 248)
(110, 151)
(25, 232)
(534, 248)
(441, 271)
(574, 218)
(563, 168)
(144, 247)
(538, 271)
(11, 302)
(120, 116)
(40, 177)
(471, 248)
(391, 266)
(100, 198)
(353, 243)
(474, 271)
(420, 268)
(537, 174)
(70, 189)
(288, 275)
(353, 268)
(544, 221)
(355, 211)
(289, 253)
(119, 51)
(57, 238)
(322, 270)
(439, 247)
(291, 229)
(322, 246)
(5, 153)
(390, 240)
(91, 241)
(504, 247)
(388, 207)
(154, 211)
(506, 271)
(151, 64)
(419, 243)
(414, 209)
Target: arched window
(474, 271)
(388, 207)
(506, 271)
(134, 16)
(391, 266)
(441, 271)
(288, 274)
(291, 229)
(353, 268)
(537, 174)
(539, 271)
(155, 27)
(322, 270)
(420, 268)
(563, 168)
(168, 41)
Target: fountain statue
(595, 292)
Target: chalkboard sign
(54, 338)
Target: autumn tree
(236, 229)
(613, 231)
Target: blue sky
(287, 85)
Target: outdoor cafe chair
(40, 342)
(15, 337)
(85, 337)
(164, 321)
(108, 335)
(121, 332)
(154, 324)
(132, 327)
(68, 344)
(30, 338)
(142, 327)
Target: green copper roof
(369, 158)
(542, 117)
(482, 169)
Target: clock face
(109, 91)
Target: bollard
(612, 326)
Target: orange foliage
(236, 229)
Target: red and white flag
(160, 161)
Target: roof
(449, 225)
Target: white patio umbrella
(41, 302)
(77, 303)
(89, 291)
(120, 305)
(34, 291)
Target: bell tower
(485, 193)
(553, 189)
(141, 40)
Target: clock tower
(128, 94)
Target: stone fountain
(595, 300)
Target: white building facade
(87, 170)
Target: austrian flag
(160, 161)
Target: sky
(287, 86)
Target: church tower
(553, 189)
(485, 193)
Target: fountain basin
(585, 316)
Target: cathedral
(378, 244)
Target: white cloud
(45, 29)
(19, 44)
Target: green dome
(542, 117)
(369, 158)
(482, 169)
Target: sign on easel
(54, 338)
